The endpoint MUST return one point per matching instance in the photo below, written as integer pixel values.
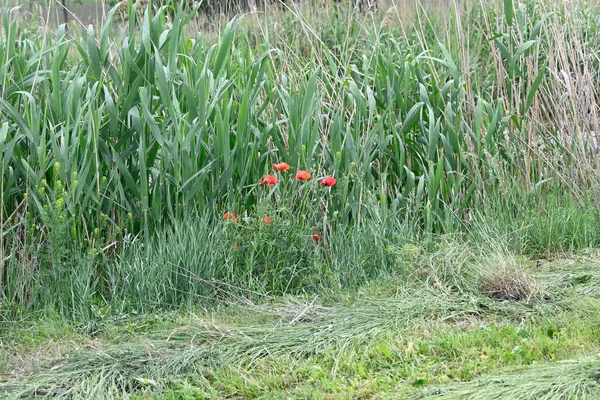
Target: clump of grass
(500, 277)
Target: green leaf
(538, 26)
(535, 86)
(512, 67)
(508, 12)
(225, 45)
(411, 117)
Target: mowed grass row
(389, 340)
(130, 141)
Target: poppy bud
(316, 236)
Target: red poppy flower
(328, 182)
(267, 220)
(268, 180)
(302, 176)
(281, 166)
(230, 216)
(316, 236)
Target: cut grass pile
(387, 339)
(574, 379)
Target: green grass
(390, 339)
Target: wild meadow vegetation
(303, 201)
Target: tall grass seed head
(338, 156)
(58, 186)
(103, 183)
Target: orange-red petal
(328, 182)
(268, 180)
(230, 216)
(282, 166)
(302, 175)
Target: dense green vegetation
(134, 155)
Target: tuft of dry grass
(501, 277)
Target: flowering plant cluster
(301, 176)
(271, 180)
